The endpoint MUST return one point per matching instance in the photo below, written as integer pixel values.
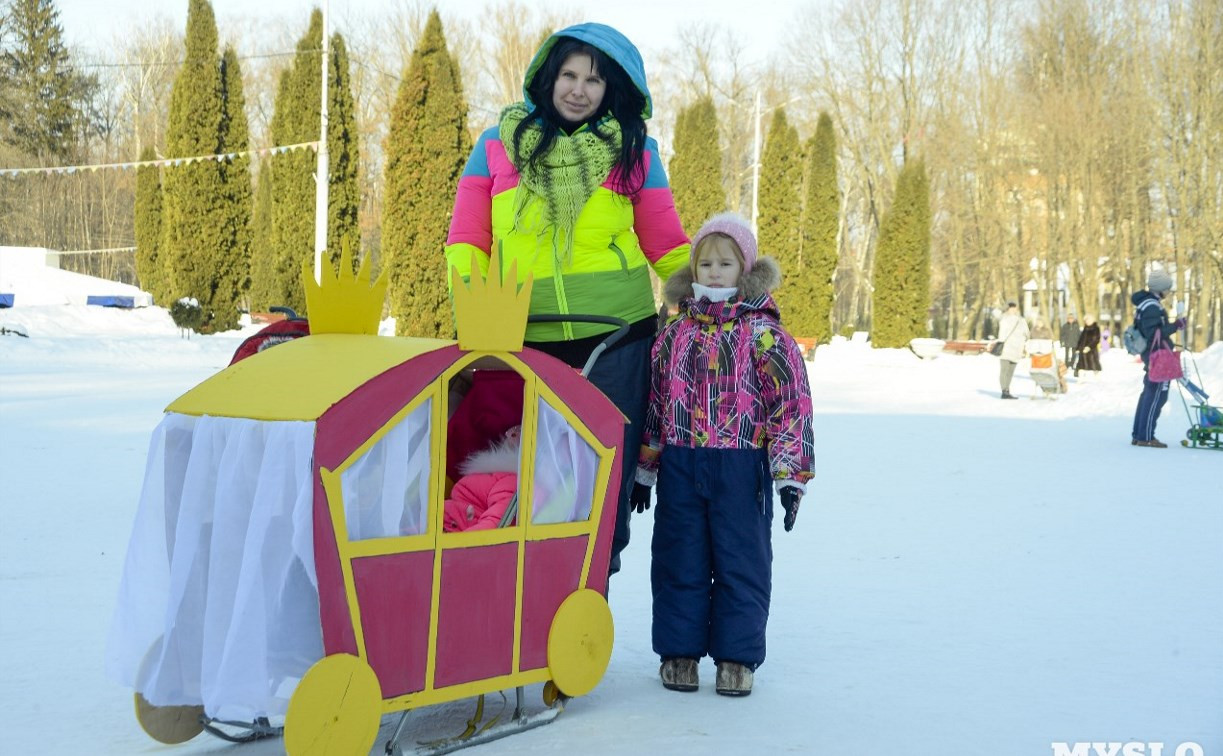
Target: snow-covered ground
(967, 576)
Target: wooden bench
(966, 347)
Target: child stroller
(1205, 422)
(1046, 370)
(299, 580)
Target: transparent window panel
(386, 491)
(565, 469)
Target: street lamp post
(756, 167)
(321, 177)
(758, 117)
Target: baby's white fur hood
(500, 457)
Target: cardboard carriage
(289, 562)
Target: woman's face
(579, 89)
(718, 268)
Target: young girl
(729, 419)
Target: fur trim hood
(501, 456)
(764, 278)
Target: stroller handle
(604, 345)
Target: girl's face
(718, 268)
(579, 89)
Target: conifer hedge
(696, 169)
(813, 282)
(194, 212)
(901, 298)
(426, 149)
(779, 204)
(151, 269)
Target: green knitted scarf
(564, 179)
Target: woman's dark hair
(621, 98)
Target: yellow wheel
(580, 642)
(336, 709)
(552, 694)
(165, 724)
(169, 724)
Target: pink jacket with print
(726, 375)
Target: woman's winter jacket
(1151, 316)
(1088, 349)
(1013, 329)
(620, 233)
(726, 375)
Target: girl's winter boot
(679, 674)
(734, 679)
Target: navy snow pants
(623, 375)
(1150, 402)
(712, 567)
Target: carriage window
(565, 469)
(483, 448)
(386, 491)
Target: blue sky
(651, 24)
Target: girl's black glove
(790, 498)
(639, 498)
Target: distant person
(1106, 340)
(1015, 335)
(1088, 347)
(568, 185)
(1069, 338)
(1150, 317)
(729, 422)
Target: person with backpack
(1149, 317)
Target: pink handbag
(1164, 364)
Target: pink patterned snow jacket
(726, 375)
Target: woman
(1014, 331)
(1088, 347)
(569, 186)
(1149, 317)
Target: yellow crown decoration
(490, 311)
(344, 302)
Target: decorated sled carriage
(289, 572)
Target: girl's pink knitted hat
(736, 227)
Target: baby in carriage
(480, 499)
(1047, 372)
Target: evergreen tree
(813, 281)
(901, 297)
(343, 145)
(263, 261)
(696, 168)
(230, 275)
(296, 120)
(426, 149)
(780, 205)
(42, 111)
(150, 267)
(194, 210)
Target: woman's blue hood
(614, 44)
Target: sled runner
(288, 572)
